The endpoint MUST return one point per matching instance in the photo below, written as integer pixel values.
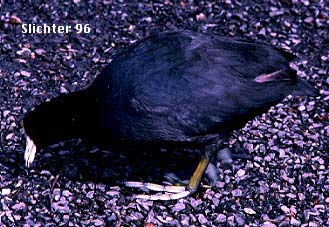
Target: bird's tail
(304, 88)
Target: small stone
(66, 193)
(250, 147)
(179, 207)
(249, 211)
(5, 113)
(276, 12)
(301, 108)
(240, 173)
(147, 19)
(324, 58)
(237, 192)
(5, 191)
(202, 219)
(149, 225)
(285, 209)
(18, 206)
(200, 17)
(10, 216)
(294, 222)
(98, 222)
(221, 218)
(131, 28)
(313, 224)
(268, 224)
(24, 52)
(25, 73)
(90, 194)
(240, 219)
(10, 136)
(319, 160)
(40, 51)
(287, 24)
(215, 201)
(61, 208)
(319, 207)
(196, 203)
(230, 221)
(15, 20)
(63, 90)
(17, 217)
(308, 20)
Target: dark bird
(179, 88)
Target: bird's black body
(171, 88)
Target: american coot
(178, 88)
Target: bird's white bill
(30, 151)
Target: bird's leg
(177, 192)
(194, 182)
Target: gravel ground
(286, 183)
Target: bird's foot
(167, 192)
(172, 192)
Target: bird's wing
(182, 84)
(216, 85)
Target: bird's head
(38, 127)
(50, 123)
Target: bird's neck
(64, 117)
(76, 113)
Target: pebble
(5, 191)
(301, 108)
(308, 20)
(195, 203)
(285, 209)
(248, 210)
(178, 207)
(98, 222)
(240, 219)
(240, 173)
(202, 219)
(18, 206)
(10, 136)
(15, 20)
(221, 218)
(200, 17)
(24, 52)
(313, 224)
(25, 73)
(90, 195)
(268, 224)
(294, 222)
(40, 52)
(237, 192)
(230, 221)
(61, 208)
